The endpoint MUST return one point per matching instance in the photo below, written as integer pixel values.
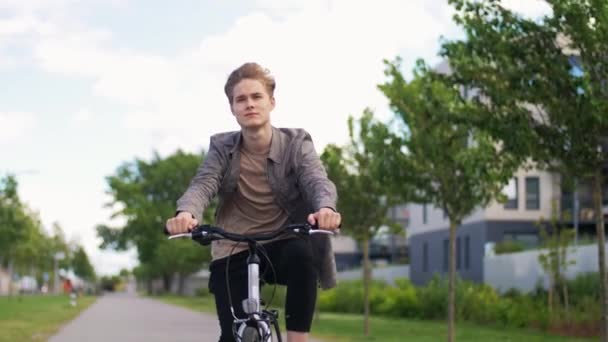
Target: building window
(532, 193)
(467, 252)
(458, 254)
(425, 257)
(512, 193)
(425, 217)
(446, 252)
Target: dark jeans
(293, 265)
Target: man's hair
(251, 71)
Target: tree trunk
(167, 279)
(366, 279)
(601, 245)
(181, 285)
(452, 283)
(550, 296)
(10, 279)
(566, 300)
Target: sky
(87, 85)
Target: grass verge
(337, 327)
(36, 317)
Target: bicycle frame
(251, 305)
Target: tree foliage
(25, 246)
(547, 80)
(445, 160)
(364, 198)
(144, 195)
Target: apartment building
(530, 197)
(385, 246)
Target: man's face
(251, 104)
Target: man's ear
(272, 102)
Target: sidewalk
(129, 318)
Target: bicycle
(257, 326)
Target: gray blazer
(295, 174)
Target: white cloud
(83, 115)
(326, 55)
(31, 6)
(112, 262)
(15, 125)
(529, 8)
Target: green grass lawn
(36, 318)
(333, 327)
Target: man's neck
(257, 140)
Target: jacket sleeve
(317, 189)
(205, 184)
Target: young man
(265, 178)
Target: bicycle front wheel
(251, 334)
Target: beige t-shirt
(252, 209)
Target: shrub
(584, 285)
(508, 246)
(477, 303)
(434, 299)
(400, 301)
(202, 292)
(278, 299)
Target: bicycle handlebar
(204, 234)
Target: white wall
(388, 273)
(522, 270)
(343, 244)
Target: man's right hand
(182, 223)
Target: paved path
(127, 317)
(130, 318)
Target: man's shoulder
(225, 138)
(294, 134)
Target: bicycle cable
(228, 280)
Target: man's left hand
(326, 219)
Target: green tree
(81, 265)
(542, 89)
(12, 219)
(23, 242)
(453, 165)
(144, 194)
(25, 247)
(28, 254)
(364, 199)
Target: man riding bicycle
(265, 178)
